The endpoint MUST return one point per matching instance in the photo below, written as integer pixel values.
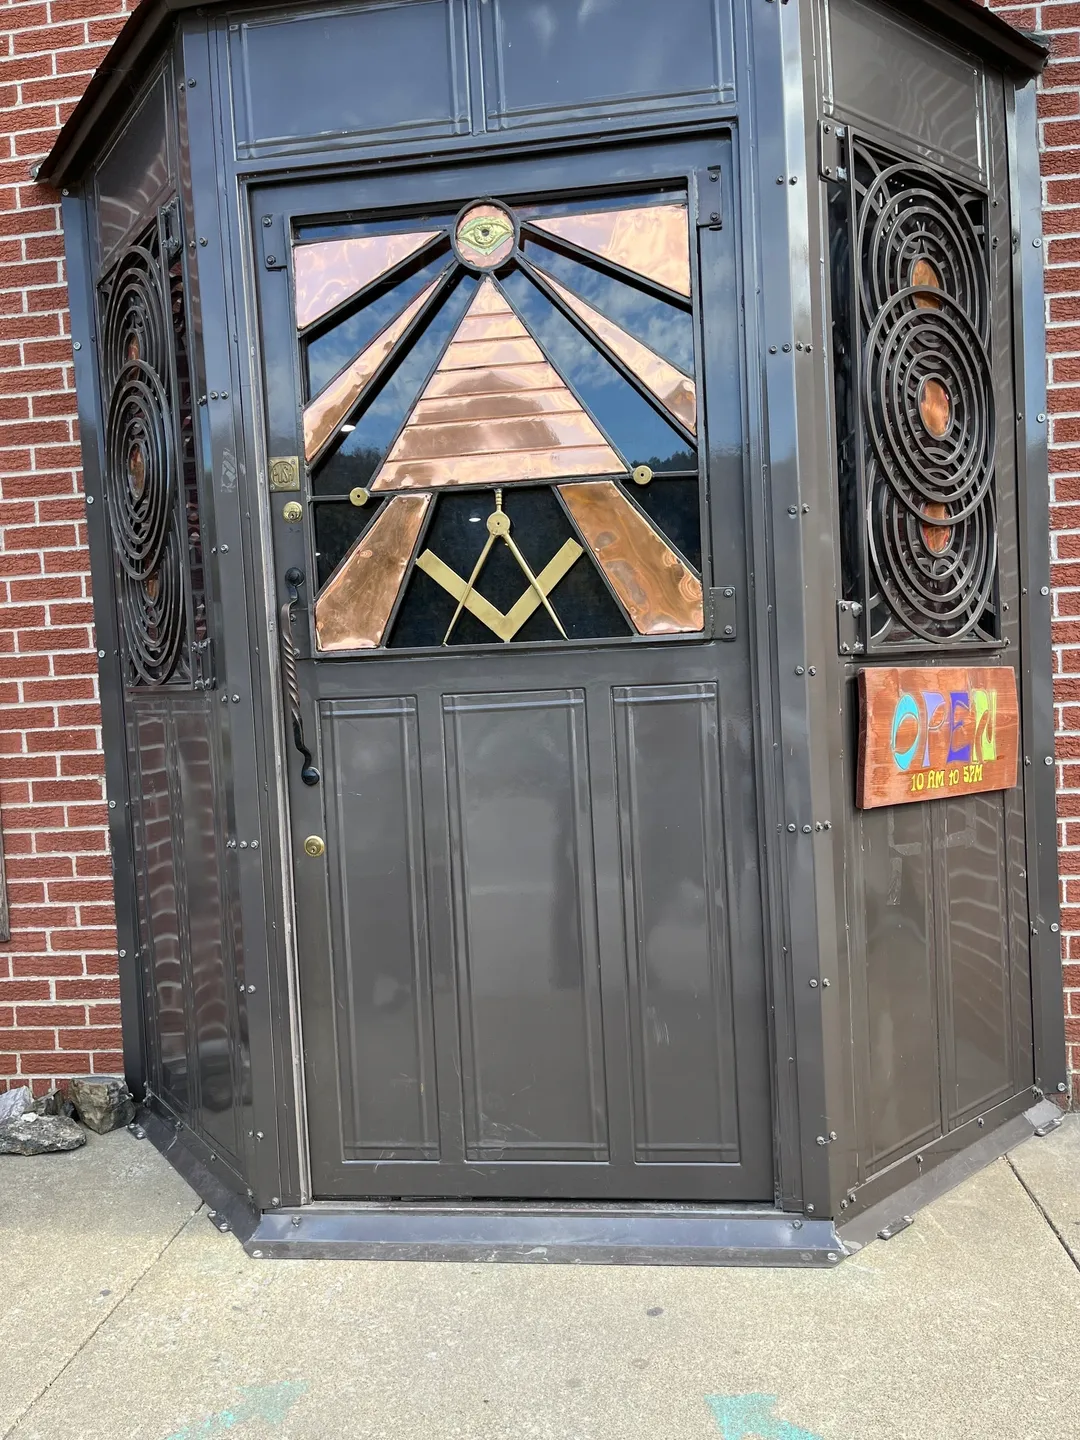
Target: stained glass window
(501, 425)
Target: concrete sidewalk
(125, 1316)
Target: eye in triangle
(675, 391)
(652, 240)
(495, 411)
(331, 271)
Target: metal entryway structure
(510, 432)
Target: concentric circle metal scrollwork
(928, 405)
(141, 466)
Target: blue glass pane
(664, 328)
(365, 446)
(635, 428)
(338, 347)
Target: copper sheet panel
(485, 236)
(659, 592)
(352, 611)
(935, 408)
(653, 240)
(326, 412)
(675, 391)
(936, 537)
(461, 431)
(328, 272)
(923, 272)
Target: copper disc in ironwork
(485, 236)
(936, 537)
(935, 408)
(924, 274)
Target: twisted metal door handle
(293, 580)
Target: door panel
(525, 928)
(678, 954)
(382, 973)
(536, 930)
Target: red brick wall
(59, 1012)
(59, 1005)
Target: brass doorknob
(315, 845)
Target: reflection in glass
(361, 453)
(652, 240)
(675, 391)
(338, 525)
(494, 411)
(641, 436)
(663, 327)
(328, 273)
(329, 353)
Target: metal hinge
(173, 229)
(723, 624)
(832, 151)
(710, 207)
(202, 665)
(849, 631)
(272, 230)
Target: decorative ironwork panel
(457, 376)
(916, 422)
(151, 486)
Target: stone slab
(947, 1330)
(77, 1231)
(1050, 1168)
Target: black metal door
(507, 484)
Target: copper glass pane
(352, 611)
(659, 591)
(364, 445)
(328, 410)
(675, 391)
(635, 426)
(494, 411)
(652, 240)
(664, 326)
(328, 273)
(673, 504)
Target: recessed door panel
(671, 834)
(525, 926)
(385, 1071)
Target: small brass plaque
(284, 472)
(315, 845)
(293, 512)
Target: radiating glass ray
(326, 412)
(352, 611)
(675, 391)
(329, 272)
(651, 240)
(494, 411)
(658, 590)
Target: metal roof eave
(119, 77)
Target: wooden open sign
(928, 733)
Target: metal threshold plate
(568, 1234)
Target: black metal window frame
(897, 494)
(151, 460)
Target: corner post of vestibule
(799, 484)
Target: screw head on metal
(729, 629)
(813, 984)
(1048, 759)
(799, 670)
(1044, 590)
(791, 829)
(793, 510)
(101, 654)
(812, 670)
(728, 591)
(76, 344)
(806, 829)
(1062, 1087)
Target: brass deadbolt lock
(292, 512)
(315, 845)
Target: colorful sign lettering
(928, 733)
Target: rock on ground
(103, 1103)
(14, 1102)
(33, 1134)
